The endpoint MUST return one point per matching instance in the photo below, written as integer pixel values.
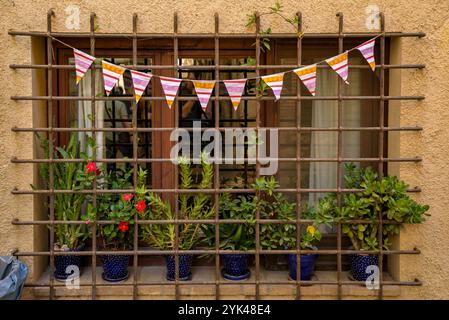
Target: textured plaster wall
(432, 175)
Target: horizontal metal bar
(211, 35)
(211, 68)
(190, 191)
(209, 251)
(229, 283)
(186, 221)
(298, 129)
(221, 98)
(222, 160)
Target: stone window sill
(228, 290)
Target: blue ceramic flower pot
(185, 267)
(235, 267)
(62, 272)
(115, 267)
(307, 266)
(359, 263)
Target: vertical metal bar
(94, 156)
(216, 165)
(135, 164)
(175, 63)
(339, 147)
(51, 172)
(258, 96)
(381, 142)
(298, 162)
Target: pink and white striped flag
(340, 65)
(367, 50)
(170, 87)
(275, 81)
(111, 75)
(140, 82)
(83, 61)
(308, 77)
(203, 90)
(235, 90)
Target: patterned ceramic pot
(307, 265)
(359, 263)
(115, 267)
(235, 267)
(63, 263)
(185, 267)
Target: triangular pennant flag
(308, 77)
(83, 61)
(340, 65)
(111, 75)
(203, 90)
(140, 82)
(170, 87)
(367, 50)
(235, 90)
(275, 81)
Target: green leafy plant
(277, 10)
(76, 176)
(191, 206)
(382, 197)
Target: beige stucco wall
(432, 175)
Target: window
(317, 135)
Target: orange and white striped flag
(170, 87)
(340, 65)
(203, 90)
(235, 90)
(111, 75)
(140, 82)
(275, 82)
(308, 77)
(83, 61)
(367, 50)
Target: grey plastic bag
(13, 274)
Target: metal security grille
(217, 36)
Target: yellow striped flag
(203, 90)
(235, 89)
(140, 82)
(111, 75)
(275, 81)
(83, 61)
(340, 65)
(308, 77)
(367, 50)
(170, 87)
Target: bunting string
(203, 88)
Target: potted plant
(382, 197)
(120, 210)
(274, 205)
(76, 176)
(239, 237)
(191, 206)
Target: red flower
(123, 226)
(91, 167)
(97, 172)
(127, 197)
(140, 206)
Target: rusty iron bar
(211, 68)
(212, 252)
(51, 170)
(211, 36)
(298, 163)
(307, 129)
(339, 150)
(16, 221)
(119, 191)
(221, 98)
